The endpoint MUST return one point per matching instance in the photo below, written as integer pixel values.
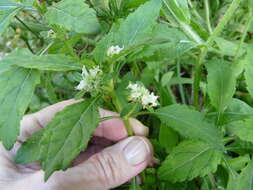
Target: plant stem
(248, 23)
(207, 9)
(198, 68)
(43, 51)
(181, 89)
(28, 28)
(128, 127)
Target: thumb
(110, 168)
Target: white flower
(142, 95)
(114, 50)
(91, 79)
(82, 85)
(149, 99)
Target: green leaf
(138, 25)
(249, 69)
(221, 83)
(67, 135)
(17, 86)
(242, 129)
(240, 147)
(166, 78)
(135, 29)
(75, 16)
(168, 138)
(29, 151)
(24, 58)
(188, 160)
(190, 124)
(8, 10)
(244, 181)
(238, 163)
(236, 110)
(179, 10)
(175, 44)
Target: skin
(102, 166)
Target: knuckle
(107, 168)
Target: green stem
(207, 9)
(198, 68)
(181, 89)
(43, 51)
(28, 28)
(128, 127)
(248, 24)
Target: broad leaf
(74, 15)
(135, 29)
(67, 135)
(190, 123)
(24, 58)
(29, 151)
(7, 11)
(17, 86)
(189, 160)
(221, 83)
(244, 181)
(138, 25)
(242, 129)
(236, 110)
(249, 69)
(179, 10)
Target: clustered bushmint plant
(182, 67)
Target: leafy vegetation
(182, 67)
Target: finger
(114, 129)
(33, 122)
(110, 168)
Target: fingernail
(136, 151)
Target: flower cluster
(140, 94)
(91, 79)
(114, 50)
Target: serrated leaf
(67, 135)
(74, 15)
(188, 160)
(221, 83)
(29, 151)
(242, 129)
(7, 13)
(190, 123)
(249, 69)
(24, 58)
(136, 28)
(244, 181)
(17, 86)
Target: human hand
(98, 168)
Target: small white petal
(113, 50)
(81, 85)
